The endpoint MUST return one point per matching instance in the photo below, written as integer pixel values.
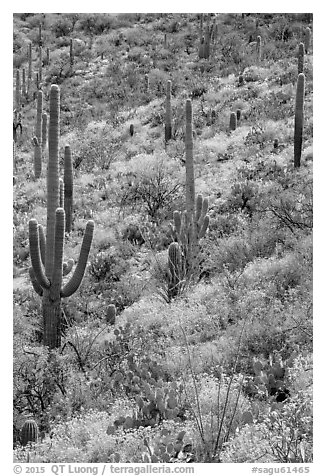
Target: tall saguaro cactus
(298, 119)
(71, 52)
(37, 158)
(258, 46)
(190, 226)
(68, 188)
(44, 130)
(40, 75)
(307, 39)
(233, 121)
(190, 177)
(39, 111)
(29, 74)
(24, 85)
(168, 113)
(300, 58)
(48, 267)
(18, 90)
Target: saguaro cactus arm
(73, 284)
(37, 265)
(58, 249)
(37, 288)
(41, 236)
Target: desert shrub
(39, 374)
(92, 24)
(111, 264)
(154, 185)
(62, 26)
(96, 148)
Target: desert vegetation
(162, 253)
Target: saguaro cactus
(18, 90)
(233, 121)
(307, 39)
(298, 119)
(24, 85)
(258, 46)
(188, 230)
(29, 432)
(37, 158)
(190, 177)
(44, 129)
(176, 273)
(40, 76)
(48, 268)
(146, 83)
(71, 52)
(190, 226)
(201, 53)
(201, 25)
(68, 188)
(29, 74)
(40, 34)
(300, 58)
(39, 111)
(207, 42)
(168, 113)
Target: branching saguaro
(190, 226)
(48, 268)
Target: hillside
(176, 336)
